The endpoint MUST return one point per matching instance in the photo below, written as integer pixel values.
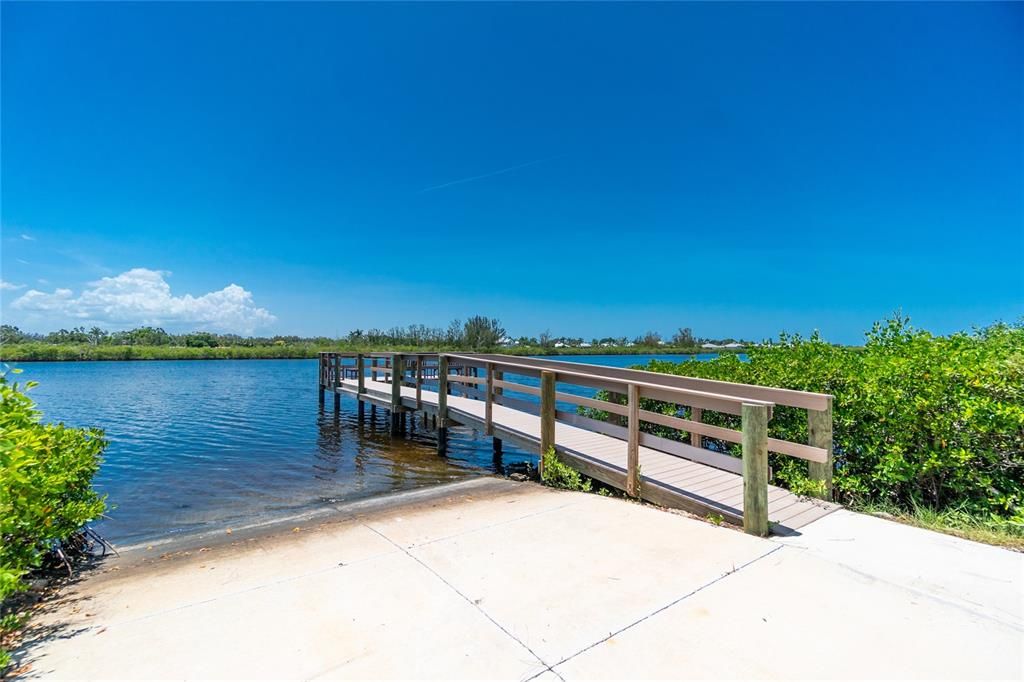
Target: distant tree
(11, 334)
(200, 340)
(649, 339)
(97, 336)
(684, 337)
(482, 333)
(454, 336)
(545, 340)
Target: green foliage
(46, 494)
(478, 333)
(557, 474)
(920, 421)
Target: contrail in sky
(488, 175)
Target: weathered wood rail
(524, 401)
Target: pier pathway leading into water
(642, 432)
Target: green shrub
(558, 474)
(46, 494)
(919, 420)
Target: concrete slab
(564, 580)
(352, 621)
(491, 579)
(792, 615)
(968, 574)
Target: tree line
(476, 333)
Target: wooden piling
(442, 404)
(489, 406)
(819, 434)
(633, 444)
(755, 468)
(547, 414)
(696, 415)
(360, 375)
(397, 362)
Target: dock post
(633, 444)
(819, 434)
(396, 393)
(755, 469)
(442, 404)
(360, 374)
(696, 415)
(489, 397)
(547, 415)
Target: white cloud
(27, 237)
(143, 297)
(10, 286)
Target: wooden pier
(603, 438)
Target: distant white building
(559, 344)
(733, 345)
(506, 341)
(584, 345)
(709, 345)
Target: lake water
(200, 445)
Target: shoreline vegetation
(928, 430)
(475, 334)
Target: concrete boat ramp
(490, 579)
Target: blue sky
(589, 169)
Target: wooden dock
(675, 461)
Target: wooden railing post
(696, 415)
(493, 392)
(373, 369)
(547, 413)
(633, 444)
(360, 374)
(337, 383)
(419, 382)
(442, 403)
(819, 434)
(755, 469)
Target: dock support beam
(547, 415)
(442, 404)
(755, 469)
(819, 434)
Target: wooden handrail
(749, 402)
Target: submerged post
(755, 469)
(442, 403)
(547, 414)
(819, 434)
(633, 445)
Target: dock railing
(488, 377)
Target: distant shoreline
(38, 352)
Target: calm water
(197, 445)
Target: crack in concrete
(720, 578)
(468, 601)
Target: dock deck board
(666, 479)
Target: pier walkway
(671, 461)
